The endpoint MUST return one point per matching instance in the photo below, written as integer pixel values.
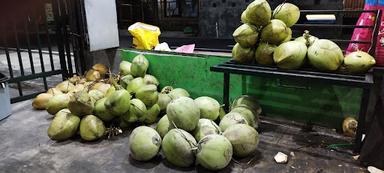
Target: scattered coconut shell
(74, 79)
(281, 158)
(93, 75)
(350, 126)
(101, 68)
(103, 87)
(65, 86)
(77, 88)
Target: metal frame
(364, 81)
(34, 33)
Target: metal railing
(37, 54)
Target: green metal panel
(308, 102)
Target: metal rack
(365, 81)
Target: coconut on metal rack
(290, 55)
(246, 35)
(358, 62)
(325, 55)
(275, 32)
(258, 13)
(243, 55)
(264, 54)
(288, 13)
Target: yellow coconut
(40, 102)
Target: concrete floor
(25, 147)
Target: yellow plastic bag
(144, 36)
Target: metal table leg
(226, 92)
(362, 119)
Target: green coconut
(117, 103)
(178, 92)
(139, 66)
(148, 95)
(167, 89)
(290, 55)
(177, 147)
(57, 102)
(91, 128)
(222, 113)
(63, 126)
(258, 13)
(247, 101)
(96, 95)
(163, 101)
(288, 13)
(275, 32)
(163, 126)
(243, 55)
(137, 111)
(41, 101)
(101, 111)
(205, 127)
(209, 107)
(125, 80)
(184, 113)
(151, 80)
(357, 62)
(125, 68)
(231, 119)
(135, 85)
(289, 37)
(54, 91)
(251, 116)
(244, 18)
(214, 152)
(144, 143)
(152, 114)
(81, 104)
(65, 86)
(244, 139)
(307, 39)
(264, 54)
(325, 55)
(110, 91)
(246, 35)
(63, 111)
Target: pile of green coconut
(198, 132)
(168, 121)
(265, 37)
(90, 104)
